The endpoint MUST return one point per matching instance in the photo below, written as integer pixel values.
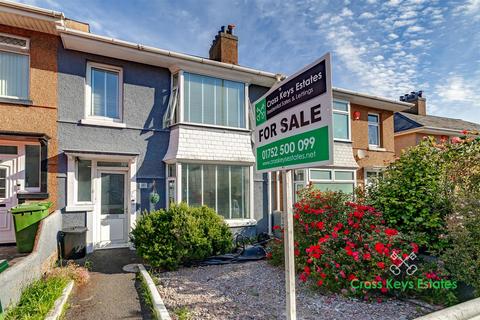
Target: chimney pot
(224, 47)
(417, 98)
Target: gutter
(167, 53)
(406, 105)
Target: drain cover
(132, 268)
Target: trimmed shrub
(181, 234)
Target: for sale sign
(293, 121)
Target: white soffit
(29, 17)
(197, 144)
(104, 46)
(372, 101)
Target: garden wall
(15, 279)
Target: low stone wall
(15, 279)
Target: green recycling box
(26, 217)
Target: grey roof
(441, 122)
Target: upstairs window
(213, 101)
(104, 92)
(341, 120)
(14, 67)
(374, 130)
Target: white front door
(112, 209)
(7, 200)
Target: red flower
(320, 225)
(391, 232)
(323, 275)
(358, 214)
(296, 252)
(367, 256)
(303, 277)
(306, 269)
(351, 277)
(346, 232)
(379, 247)
(296, 216)
(455, 140)
(320, 282)
(381, 265)
(269, 255)
(465, 132)
(384, 290)
(414, 247)
(276, 227)
(334, 235)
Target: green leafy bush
(341, 245)
(413, 197)
(168, 238)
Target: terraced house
(28, 109)
(113, 122)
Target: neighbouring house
(363, 145)
(28, 109)
(412, 125)
(134, 120)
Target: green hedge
(169, 238)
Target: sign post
(293, 130)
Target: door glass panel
(113, 193)
(32, 166)
(3, 182)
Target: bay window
(14, 67)
(213, 101)
(224, 188)
(333, 180)
(341, 120)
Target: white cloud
(392, 36)
(471, 7)
(403, 23)
(378, 58)
(346, 12)
(367, 15)
(393, 3)
(413, 29)
(419, 43)
(455, 88)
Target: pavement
(111, 292)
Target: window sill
(79, 208)
(24, 102)
(100, 123)
(212, 126)
(374, 148)
(234, 223)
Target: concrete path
(111, 292)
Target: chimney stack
(420, 102)
(225, 46)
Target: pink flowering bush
(339, 243)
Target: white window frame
(249, 220)
(347, 113)
(377, 171)
(18, 50)
(170, 117)
(377, 124)
(100, 120)
(181, 104)
(75, 196)
(333, 180)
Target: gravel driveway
(255, 290)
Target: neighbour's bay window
(333, 180)
(341, 120)
(225, 188)
(14, 67)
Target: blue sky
(384, 48)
